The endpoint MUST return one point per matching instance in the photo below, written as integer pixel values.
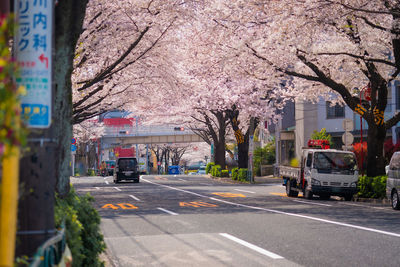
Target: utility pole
(38, 165)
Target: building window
(334, 112)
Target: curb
(372, 200)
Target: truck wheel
(289, 191)
(308, 194)
(395, 200)
(348, 197)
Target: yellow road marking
(109, 206)
(125, 206)
(222, 194)
(196, 204)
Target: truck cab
(324, 172)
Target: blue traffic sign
(73, 148)
(73, 141)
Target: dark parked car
(126, 169)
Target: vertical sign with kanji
(33, 47)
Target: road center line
(245, 191)
(251, 246)
(167, 211)
(135, 198)
(285, 213)
(311, 203)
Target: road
(196, 221)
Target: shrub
(82, 224)
(90, 172)
(372, 187)
(263, 155)
(242, 175)
(216, 171)
(235, 173)
(224, 173)
(209, 167)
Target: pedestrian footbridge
(129, 135)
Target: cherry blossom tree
(331, 49)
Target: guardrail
(52, 251)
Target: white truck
(322, 172)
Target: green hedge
(224, 173)
(242, 175)
(372, 187)
(82, 224)
(235, 173)
(216, 171)
(209, 167)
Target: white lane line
(251, 246)
(285, 213)
(117, 188)
(245, 191)
(97, 188)
(312, 203)
(167, 211)
(107, 182)
(182, 180)
(135, 198)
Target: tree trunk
(69, 16)
(375, 158)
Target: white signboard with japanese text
(33, 48)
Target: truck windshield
(327, 162)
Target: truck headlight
(353, 184)
(315, 182)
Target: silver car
(393, 181)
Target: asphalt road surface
(168, 220)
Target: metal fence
(51, 252)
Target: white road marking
(182, 180)
(245, 191)
(205, 184)
(284, 213)
(117, 189)
(107, 182)
(251, 246)
(313, 203)
(97, 188)
(135, 198)
(167, 211)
